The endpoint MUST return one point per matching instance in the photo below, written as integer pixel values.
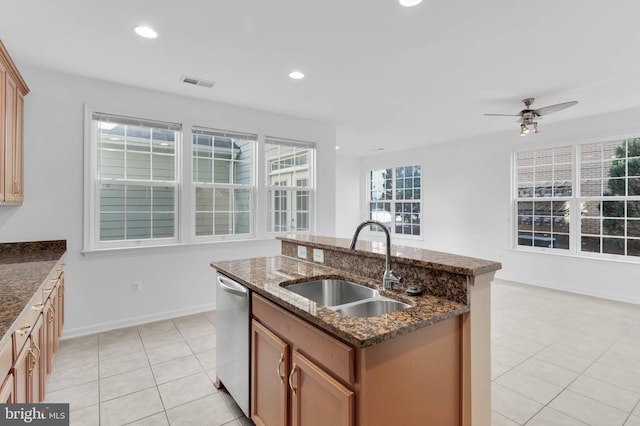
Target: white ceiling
(386, 75)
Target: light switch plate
(318, 255)
(302, 252)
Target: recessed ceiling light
(145, 32)
(296, 75)
(337, 147)
(409, 3)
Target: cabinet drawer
(335, 356)
(25, 323)
(50, 283)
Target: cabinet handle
(17, 185)
(37, 307)
(50, 315)
(293, 370)
(33, 362)
(280, 361)
(53, 280)
(35, 346)
(24, 330)
(47, 290)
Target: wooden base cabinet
(288, 388)
(317, 398)
(26, 359)
(302, 376)
(270, 389)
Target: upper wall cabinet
(12, 92)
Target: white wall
(349, 194)
(467, 207)
(175, 280)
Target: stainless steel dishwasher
(233, 311)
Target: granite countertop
(435, 260)
(23, 268)
(265, 276)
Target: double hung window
(610, 197)
(223, 182)
(543, 202)
(583, 199)
(395, 199)
(135, 182)
(139, 175)
(289, 184)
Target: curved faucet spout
(389, 279)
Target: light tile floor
(557, 359)
(563, 359)
(155, 374)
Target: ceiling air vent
(197, 81)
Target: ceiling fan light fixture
(523, 129)
(535, 128)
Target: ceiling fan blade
(505, 115)
(553, 108)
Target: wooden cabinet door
(317, 399)
(22, 370)
(56, 319)
(17, 184)
(6, 390)
(49, 319)
(11, 92)
(37, 377)
(60, 306)
(3, 79)
(269, 368)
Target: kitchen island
(410, 365)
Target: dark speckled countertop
(268, 277)
(435, 260)
(23, 268)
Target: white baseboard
(69, 333)
(583, 292)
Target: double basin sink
(347, 298)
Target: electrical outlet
(318, 255)
(136, 287)
(302, 252)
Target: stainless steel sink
(332, 292)
(347, 298)
(372, 308)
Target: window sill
(174, 246)
(585, 257)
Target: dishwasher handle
(232, 287)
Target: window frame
(93, 181)
(184, 201)
(252, 187)
(291, 189)
(368, 201)
(576, 200)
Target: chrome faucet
(390, 279)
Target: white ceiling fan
(528, 116)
